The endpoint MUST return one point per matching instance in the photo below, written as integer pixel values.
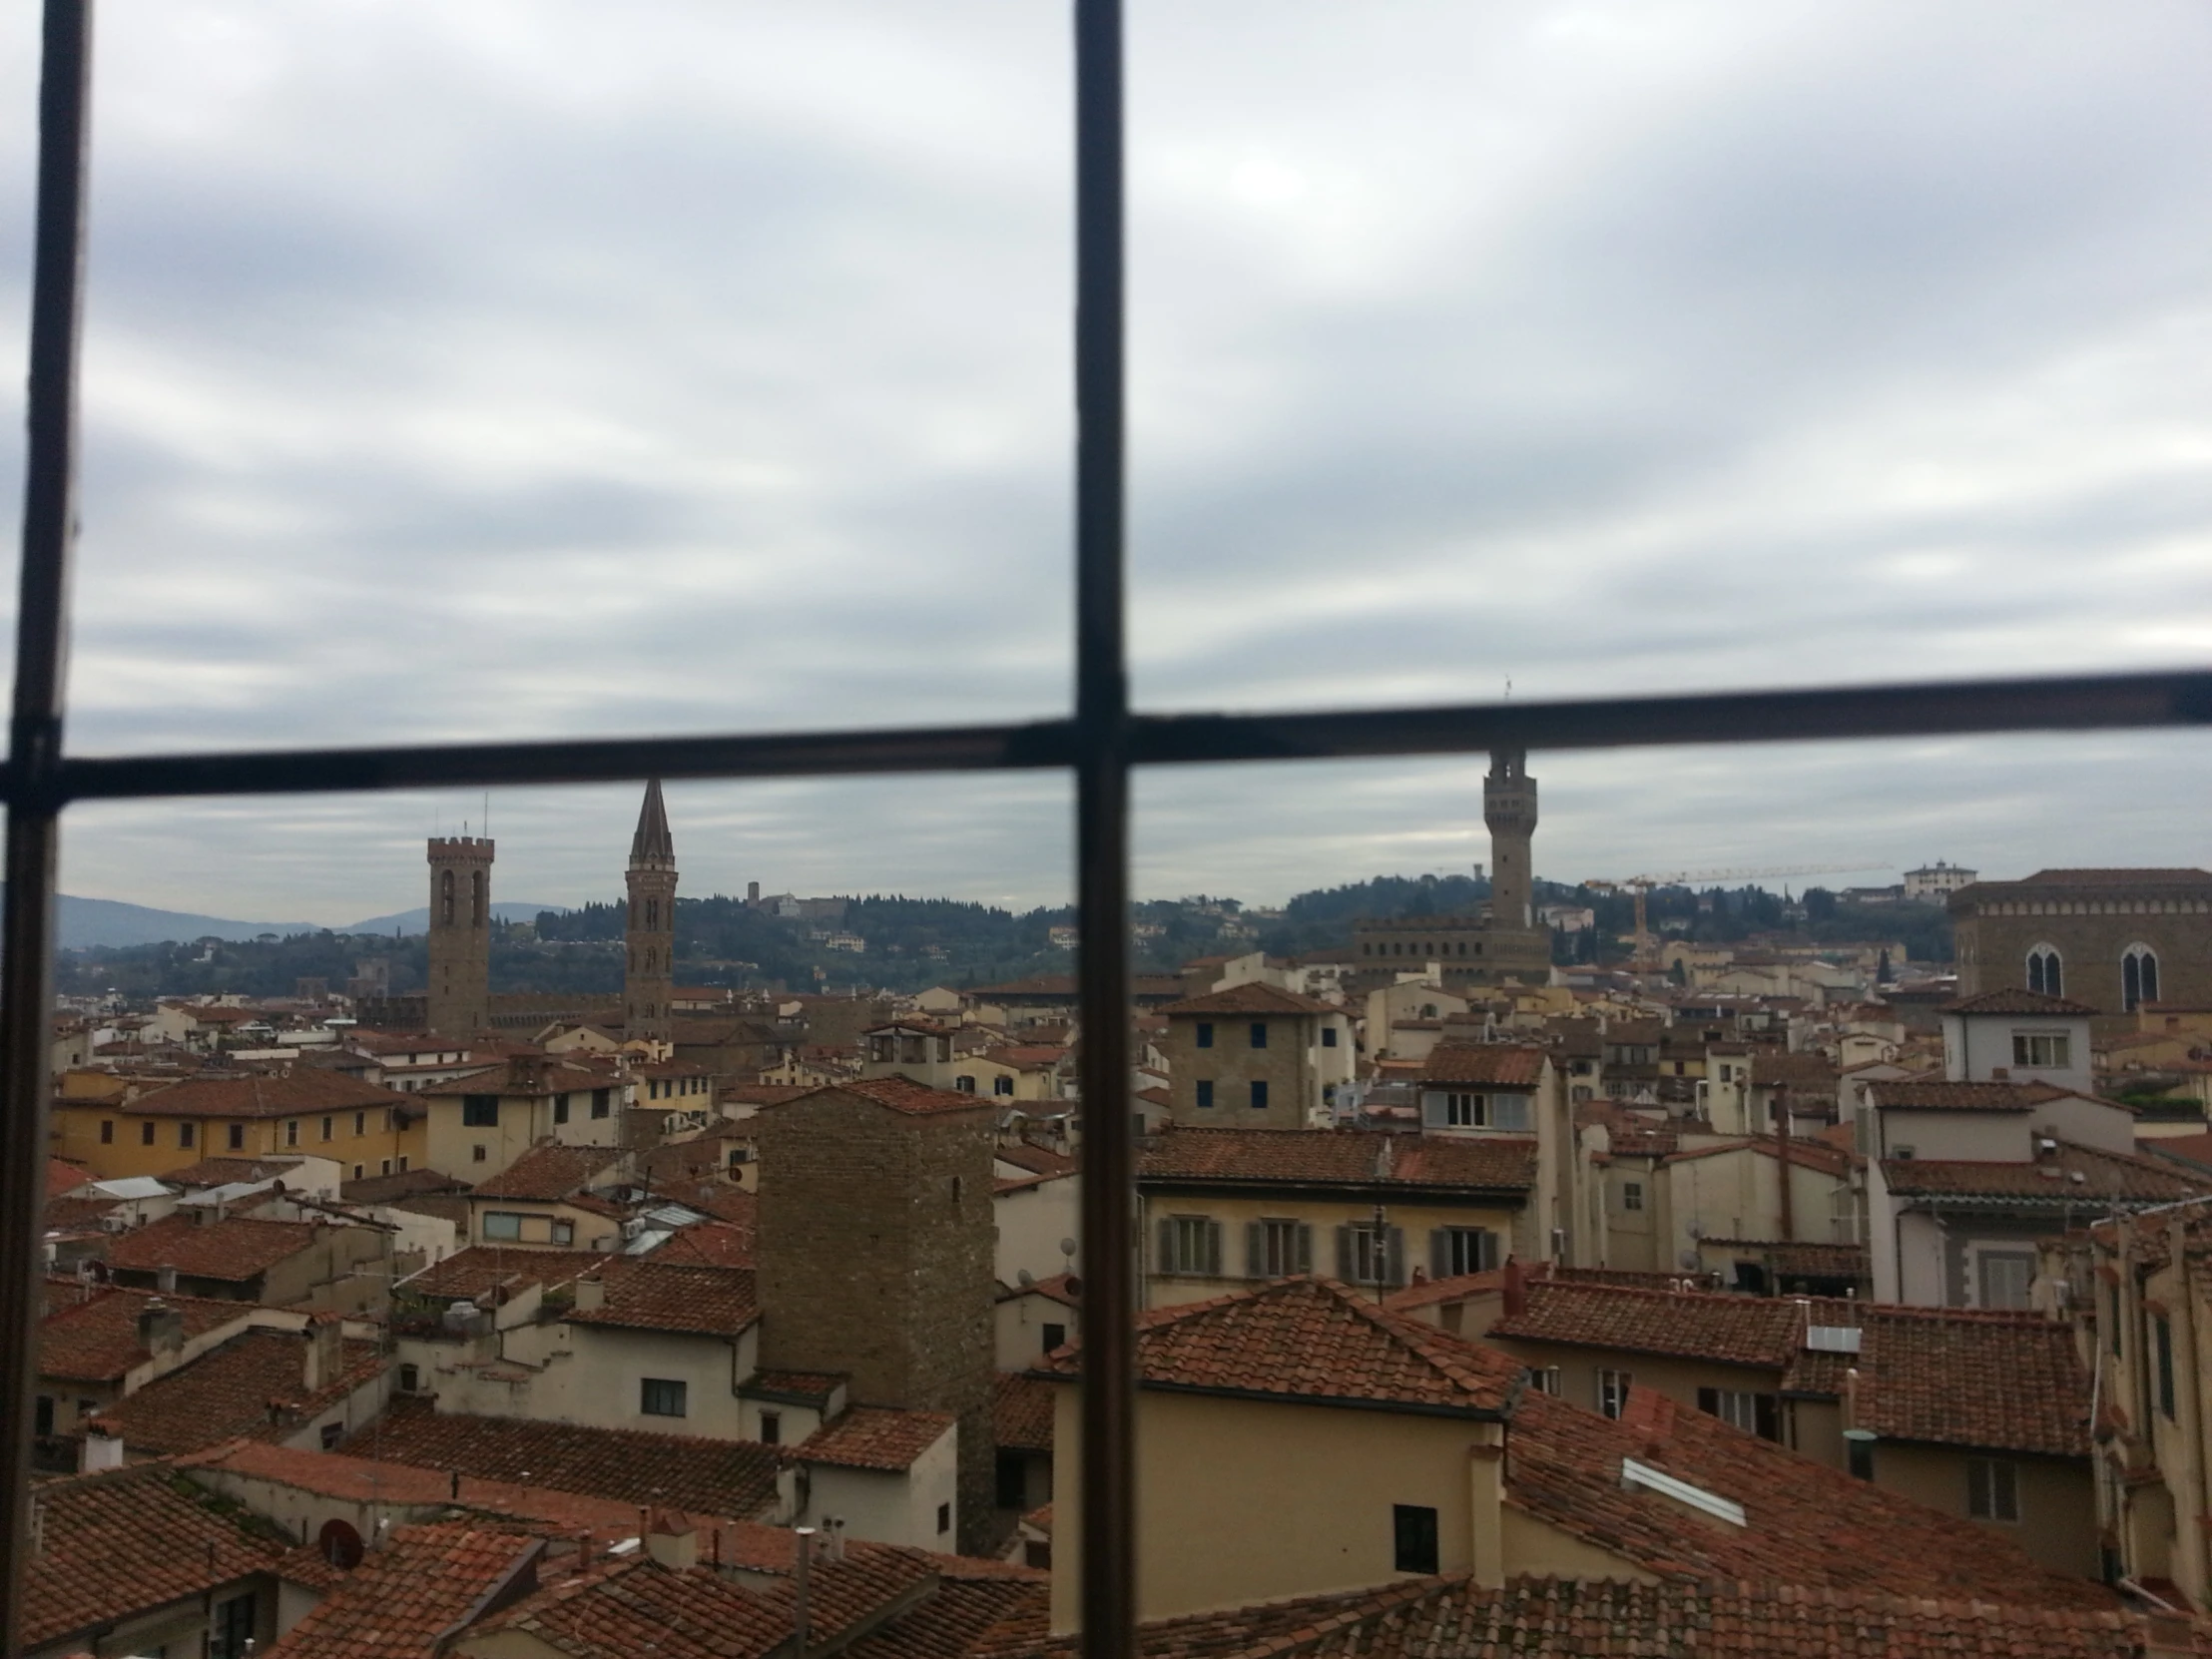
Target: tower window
(476, 899)
(2138, 976)
(2045, 975)
(445, 897)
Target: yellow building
(142, 1127)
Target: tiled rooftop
(903, 1094)
(550, 1171)
(875, 1437)
(1251, 998)
(124, 1541)
(1741, 1329)
(1310, 1339)
(1497, 1066)
(480, 1270)
(235, 1249)
(90, 1333)
(406, 1596)
(711, 1477)
(712, 1244)
(650, 1293)
(2016, 1001)
(1023, 1410)
(2103, 1175)
(264, 1094)
(255, 1384)
(1918, 1095)
(1339, 1156)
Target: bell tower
(649, 930)
(460, 936)
(1509, 808)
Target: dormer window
(2041, 1050)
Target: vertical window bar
(34, 733)
(1108, 1517)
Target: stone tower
(460, 936)
(1509, 808)
(649, 930)
(875, 1258)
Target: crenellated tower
(460, 935)
(649, 930)
(1509, 808)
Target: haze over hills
(86, 923)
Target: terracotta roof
(387, 1188)
(96, 1340)
(62, 1175)
(1771, 1066)
(954, 1621)
(2016, 1001)
(2105, 1175)
(1804, 1152)
(222, 1172)
(715, 1477)
(1310, 1339)
(1451, 1619)
(1028, 1056)
(1339, 1156)
(406, 1596)
(1252, 998)
(235, 1248)
(903, 1094)
(549, 1171)
(1500, 1065)
(254, 1384)
(817, 1385)
(127, 1541)
(637, 1607)
(480, 1270)
(1740, 1329)
(1037, 1160)
(1804, 1523)
(1917, 1095)
(2108, 879)
(1424, 1292)
(875, 1437)
(1023, 1410)
(264, 1094)
(1063, 1288)
(713, 1243)
(1948, 1377)
(649, 1294)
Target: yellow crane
(1640, 885)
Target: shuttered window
(1368, 1257)
(1278, 1249)
(1754, 1413)
(1190, 1244)
(1457, 1250)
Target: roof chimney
(100, 1450)
(591, 1294)
(161, 1327)
(324, 1336)
(672, 1539)
(1516, 1284)
(802, 1539)
(165, 1277)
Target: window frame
(650, 1388)
(1993, 1489)
(1100, 741)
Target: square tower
(460, 936)
(1509, 808)
(874, 1256)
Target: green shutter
(1165, 1262)
(1305, 1263)
(1255, 1251)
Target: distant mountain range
(105, 922)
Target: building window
(232, 1628)
(560, 1108)
(480, 1111)
(1453, 1251)
(360, 1123)
(660, 1397)
(1259, 1033)
(1278, 1249)
(1632, 1195)
(600, 1102)
(944, 1517)
(1862, 1457)
(2041, 1050)
(1013, 1481)
(964, 1085)
(238, 1137)
(2138, 976)
(501, 1224)
(328, 1124)
(1205, 1033)
(2163, 1330)
(146, 1133)
(1612, 1392)
(1544, 1379)
(1260, 1096)
(771, 1429)
(1368, 1254)
(1754, 1413)
(385, 1168)
(357, 1168)
(184, 1134)
(410, 1378)
(2007, 1277)
(476, 1154)
(1992, 1489)
(403, 1161)
(564, 1232)
(1329, 1036)
(1414, 1537)
(1205, 1091)
(1002, 1086)
(1055, 1335)
(1460, 1109)
(107, 1131)
(1190, 1244)
(331, 1433)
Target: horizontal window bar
(1935, 709)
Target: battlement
(460, 848)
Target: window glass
(661, 1397)
(1414, 1537)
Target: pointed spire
(653, 844)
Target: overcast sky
(520, 369)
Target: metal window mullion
(34, 730)
(1108, 1521)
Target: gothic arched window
(2044, 972)
(653, 912)
(2138, 976)
(476, 899)
(445, 897)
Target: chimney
(161, 1327)
(672, 1540)
(164, 1279)
(802, 1539)
(591, 1294)
(324, 1339)
(1517, 1289)
(100, 1450)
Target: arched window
(2044, 972)
(445, 897)
(653, 912)
(476, 899)
(2138, 976)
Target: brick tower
(649, 930)
(874, 1256)
(1509, 808)
(460, 936)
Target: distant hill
(87, 922)
(417, 921)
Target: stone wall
(1995, 925)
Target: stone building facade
(2112, 938)
(874, 1256)
(1252, 1057)
(459, 1000)
(648, 924)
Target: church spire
(652, 845)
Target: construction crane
(1640, 885)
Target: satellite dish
(1025, 1279)
(1067, 1247)
(1690, 1260)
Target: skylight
(1634, 1473)
(1832, 1338)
